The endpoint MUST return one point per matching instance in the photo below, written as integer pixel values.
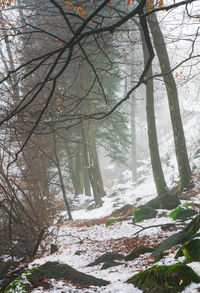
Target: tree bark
(158, 174)
(179, 138)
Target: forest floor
(83, 240)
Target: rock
(168, 243)
(165, 227)
(191, 250)
(123, 210)
(182, 212)
(109, 256)
(153, 203)
(165, 279)
(4, 268)
(110, 221)
(53, 248)
(20, 283)
(55, 270)
(79, 252)
(185, 235)
(137, 251)
(110, 264)
(113, 194)
(143, 212)
(169, 201)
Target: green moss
(165, 279)
(191, 250)
(110, 221)
(182, 212)
(143, 212)
(137, 251)
(19, 285)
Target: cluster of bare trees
(62, 65)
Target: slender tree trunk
(133, 140)
(158, 174)
(71, 168)
(179, 138)
(61, 181)
(94, 169)
(86, 178)
(79, 170)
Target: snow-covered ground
(91, 239)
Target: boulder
(165, 279)
(109, 256)
(110, 264)
(191, 250)
(144, 212)
(137, 251)
(182, 212)
(55, 270)
(154, 203)
(169, 201)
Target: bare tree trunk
(94, 168)
(158, 174)
(179, 138)
(61, 181)
(133, 141)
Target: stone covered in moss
(143, 212)
(191, 250)
(182, 212)
(55, 270)
(108, 256)
(110, 264)
(165, 279)
(110, 221)
(137, 251)
(20, 284)
(169, 201)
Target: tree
(170, 84)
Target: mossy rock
(191, 250)
(55, 270)
(182, 212)
(169, 201)
(4, 268)
(110, 264)
(123, 210)
(137, 251)
(144, 212)
(165, 279)
(154, 203)
(110, 221)
(109, 256)
(20, 284)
